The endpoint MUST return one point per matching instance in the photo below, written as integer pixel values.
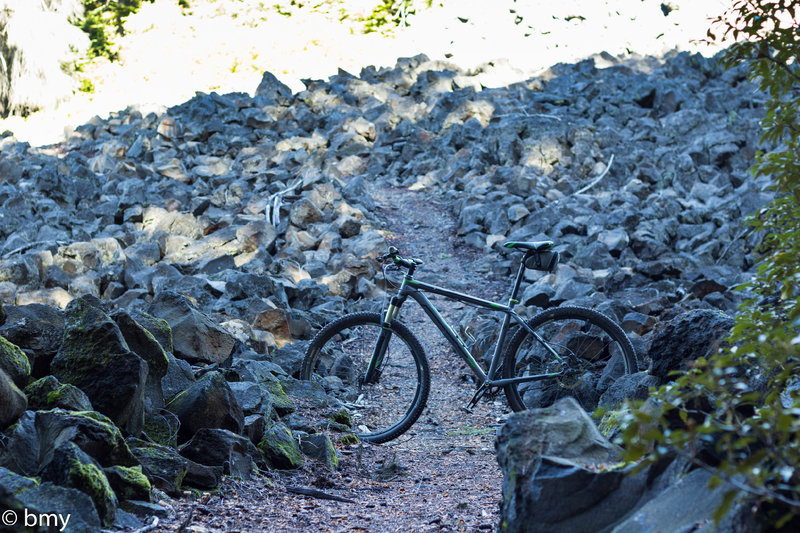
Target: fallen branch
(597, 180)
(314, 493)
(149, 527)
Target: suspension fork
(373, 372)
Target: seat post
(517, 282)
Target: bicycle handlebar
(393, 256)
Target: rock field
(159, 272)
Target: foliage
(738, 413)
(391, 13)
(104, 18)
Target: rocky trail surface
(441, 475)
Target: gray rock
(12, 401)
(272, 90)
(95, 358)
(236, 454)
(207, 403)
(49, 498)
(195, 336)
(162, 465)
(694, 334)
(320, 447)
(31, 443)
(72, 467)
(178, 378)
(48, 393)
(37, 329)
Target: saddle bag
(544, 261)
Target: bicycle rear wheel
(387, 406)
(593, 352)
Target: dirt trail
(442, 474)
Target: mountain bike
(378, 369)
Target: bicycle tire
(595, 352)
(340, 354)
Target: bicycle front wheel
(392, 400)
(579, 352)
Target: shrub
(104, 18)
(738, 413)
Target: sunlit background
(169, 53)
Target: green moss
(91, 480)
(280, 400)
(159, 430)
(280, 449)
(350, 438)
(342, 416)
(14, 361)
(48, 393)
(129, 483)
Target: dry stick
(148, 527)
(188, 519)
(725, 251)
(597, 180)
(314, 493)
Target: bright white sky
(167, 56)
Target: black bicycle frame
(414, 289)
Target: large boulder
(144, 344)
(12, 401)
(219, 447)
(32, 441)
(686, 338)
(37, 329)
(57, 503)
(72, 467)
(48, 393)
(195, 336)
(95, 358)
(162, 465)
(208, 403)
(561, 475)
(14, 362)
(529, 443)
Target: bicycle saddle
(533, 246)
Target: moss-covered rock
(162, 465)
(349, 438)
(280, 449)
(320, 447)
(158, 328)
(38, 330)
(162, 428)
(342, 416)
(31, 441)
(129, 483)
(208, 403)
(142, 342)
(14, 361)
(95, 357)
(12, 401)
(281, 402)
(48, 393)
(72, 467)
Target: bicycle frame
(414, 289)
